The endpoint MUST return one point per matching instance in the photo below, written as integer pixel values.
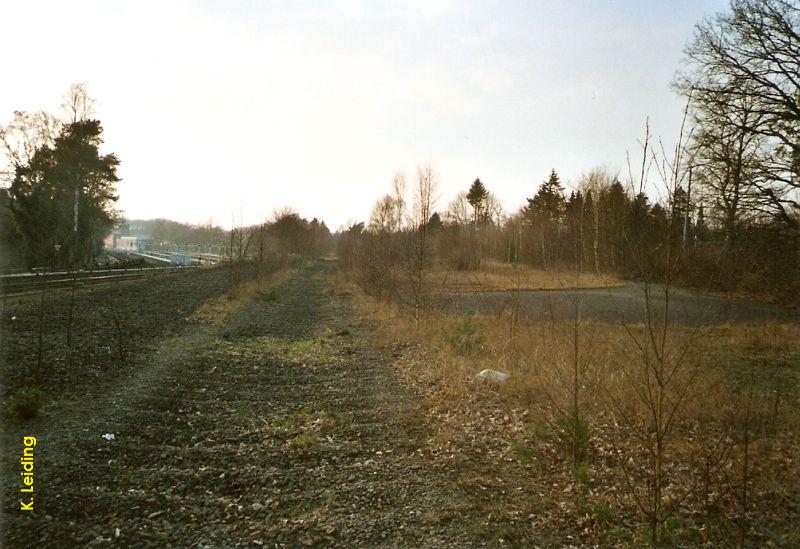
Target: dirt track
(622, 304)
(282, 428)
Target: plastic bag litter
(491, 376)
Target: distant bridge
(183, 259)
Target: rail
(16, 284)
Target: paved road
(621, 304)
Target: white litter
(108, 436)
(492, 375)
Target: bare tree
(749, 58)
(419, 248)
(78, 105)
(384, 215)
(458, 211)
(238, 247)
(727, 163)
(388, 212)
(20, 139)
(399, 203)
(661, 382)
(260, 235)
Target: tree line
(730, 218)
(285, 239)
(171, 232)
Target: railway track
(21, 284)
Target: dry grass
(516, 422)
(532, 351)
(218, 310)
(501, 276)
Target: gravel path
(145, 310)
(283, 427)
(622, 304)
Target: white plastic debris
(108, 436)
(492, 375)
(14, 317)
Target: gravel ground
(282, 427)
(135, 313)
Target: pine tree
(62, 200)
(544, 214)
(549, 199)
(476, 197)
(435, 222)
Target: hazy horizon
(233, 110)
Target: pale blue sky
(220, 108)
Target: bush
(582, 475)
(304, 442)
(524, 453)
(572, 438)
(602, 514)
(464, 338)
(271, 296)
(26, 402)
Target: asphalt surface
(625, 304)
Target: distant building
(121, 229)
(132, 243)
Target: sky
(227, 111)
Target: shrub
(582, 476)
(538, 429)
(524, 453)
(572, 437)
(602, 514)
(464, 338)
(26, 402)
(304, 442)
(271, 296)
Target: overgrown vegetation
(25, 403)
(693, 488)
(644, 431)
(648, 413)
(464, 337)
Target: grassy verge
(218, 310)
(725, 471)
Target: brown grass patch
(501, 276)
(219, 309)
(509, 433)
(532, 351)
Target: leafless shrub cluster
(703, 453)
(684, 447)
(285, 239)
(393, 253)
